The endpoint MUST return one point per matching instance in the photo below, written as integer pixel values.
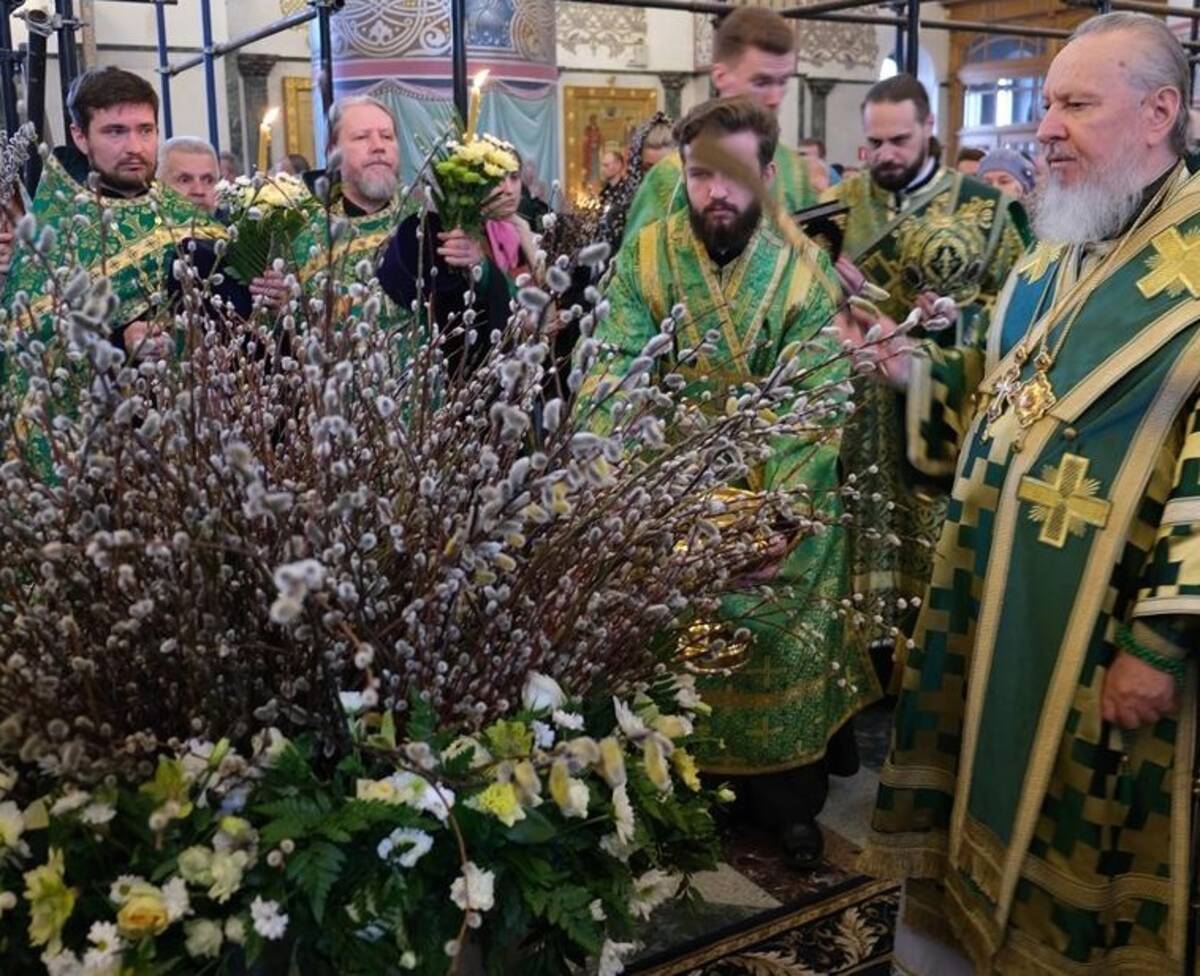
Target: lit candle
(264, 138)
(476, 99)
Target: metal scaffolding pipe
(912, 35)
(684, 6)
(303, 17)
(828, 7)
(68, 56)
(1139, 6)
(210, 75)
(324, 11)
(8, 87)
(458, 55)
(164, 77)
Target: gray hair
(1163, 63)
(338, 109)
(186, 144)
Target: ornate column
(399, 50)
(820, 89)
(254, 69)
(673, 82)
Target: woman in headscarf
(652, 140)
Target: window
(888, 69)
(1006, 101)
(1005, 49)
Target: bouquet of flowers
(264, 213)
(465, 176)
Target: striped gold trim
(1180, 510)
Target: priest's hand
(874, 336)
(6, 247)
(1136, 694)
(270, 286)
(458, 249)
(143, 344)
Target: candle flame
(481, 78)
(269, 116)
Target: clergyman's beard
(891, 177)
(377, 185)
(1097, 207)
(116, 180)
(726, 237)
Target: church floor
(753, 877)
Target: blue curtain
(530, 124)
(422, 120)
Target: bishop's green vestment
(662, 190)
(954, 236)
(1045, 839)
(802, 681)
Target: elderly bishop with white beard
(1037, 795)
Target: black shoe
(803, 844)
(841, 754)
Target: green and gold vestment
(662, 190)
(136, 250)
(802, 680)
(1045, 839)
(953, 236)
(316, 258)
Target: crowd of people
(1031, 403)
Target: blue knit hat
(1015, 164)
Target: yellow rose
(673, 726)
(612, 762)
(570, 794)
(145, 913)
(655, 761)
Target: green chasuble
(1045, 839)
(662, 191)
(802, 681)
(366, 237)
(135, 251)
(954, 236)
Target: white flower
(69, 802)
(633, 727)
(614, 847)
(98, 813)
(612, 957)
(64, 963)
(474, 889)
(651, 890)
(352, 702)
(567, 720)
(623, 814)
(204, 938)
(175, 897)
(417, 842)
(12, 824)
(543, 734)
(105, 937)
(269, 921)
(235, 930)
(479, 755)
(408, 960)
(8, 901)
(596, 910)
(120, 889)
(542, 693)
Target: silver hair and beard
(1097, 207)
(378, 184)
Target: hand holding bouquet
(264, 215)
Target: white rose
(204, 938)
(542, 693)
(474, 889)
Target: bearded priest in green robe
(754, 53)
(366, 195)
(915, 229)
(735, 275)
(1038, 795)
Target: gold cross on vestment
(1174, 266)
(1065, 502)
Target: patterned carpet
(846, 929)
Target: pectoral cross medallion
(1065, 500)
(1007, 387)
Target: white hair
(1161, 61)
(185, 144)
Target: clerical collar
(1148, 196)
(923, 176)
(726, 257)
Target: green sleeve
(661, 193)
(1168, 602)
(940, 405)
